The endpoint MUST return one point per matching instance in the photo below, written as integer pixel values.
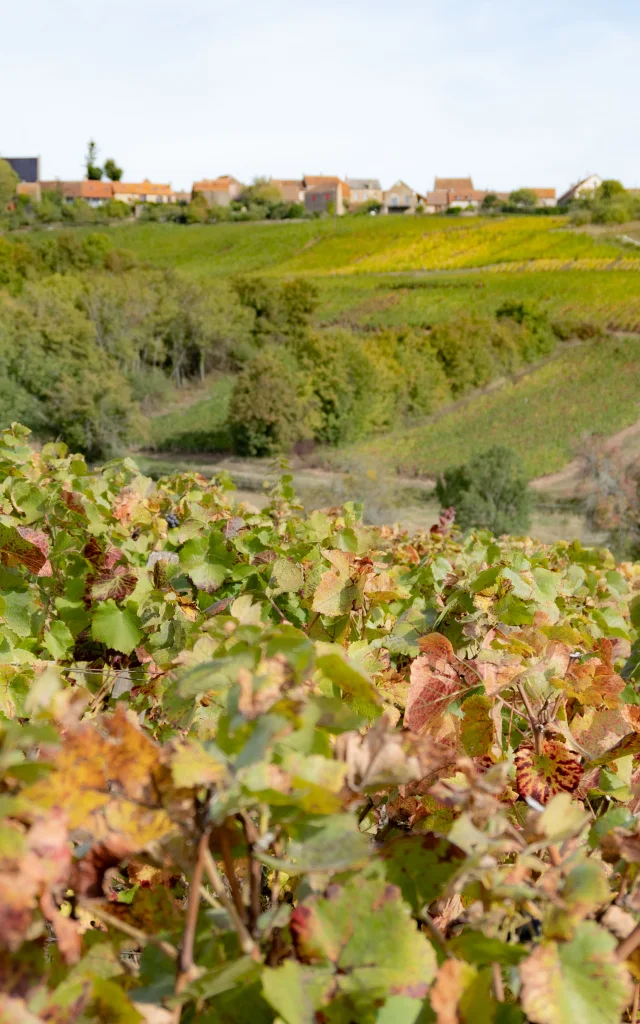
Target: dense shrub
(58, 377)
(489, 491)
(269, 410)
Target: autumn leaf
(117, 583)
(540, 776)
(431, 690)
(580, 980)
(477, 726)
(594, 682)
(27, 546)
(108, 780)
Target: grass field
(364, 245)
(196, 424)
(593, 388)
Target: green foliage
(94, 173)
(212, 803)
(489, 491)
(8, 182)
(523, 197)
(269, 411)
(609, 189)
(545, 415)
(112, 171)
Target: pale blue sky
(515, 94)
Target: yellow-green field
(364, 245)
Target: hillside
(364, 245)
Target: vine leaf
(540, 776)
(477, 726)
(118, 628)
(362, 932)
(27, 546)
(580, 980)
(431, 690)
(116, 583)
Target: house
(458, 185)
(582, 190)
(218, 191)
(30, 189)
(546, 196)
(326, 197)
(364, 190)
(400, 198)
(180, 197)
(142, 192)
(437, 201)
(291, 189)
(26, 167)
(94, 192)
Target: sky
(513, 94)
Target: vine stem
(246, 942)
(227, 858)
(634, 1006)
(498, 984)
(141, 937)
(627, 946)
(427, 919)
(251, 835)
(185, 963)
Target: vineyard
(274, 767)
(362, 245)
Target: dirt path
(565, 483)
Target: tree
(260, 191)
(609, 189)
(94, 173)
(8, 182)
(267, 413)
(112, 171)
(523, 197)
(490, 201)
(489, 491)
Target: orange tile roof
(544, 193)
(80, 189)
(143, 188)
(454, 184)
(220, 184)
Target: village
(314, 194)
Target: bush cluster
(89, 341)
(348, 386)
(489, 491)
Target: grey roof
(370, 183)
(26, 167)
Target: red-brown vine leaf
(34, 868)
(555, 770)
(431, 690)
(116, 583)
(595, 682)
(453, 979)
(28, 547)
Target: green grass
(594, 388)
(361, 245)
(199, 427)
